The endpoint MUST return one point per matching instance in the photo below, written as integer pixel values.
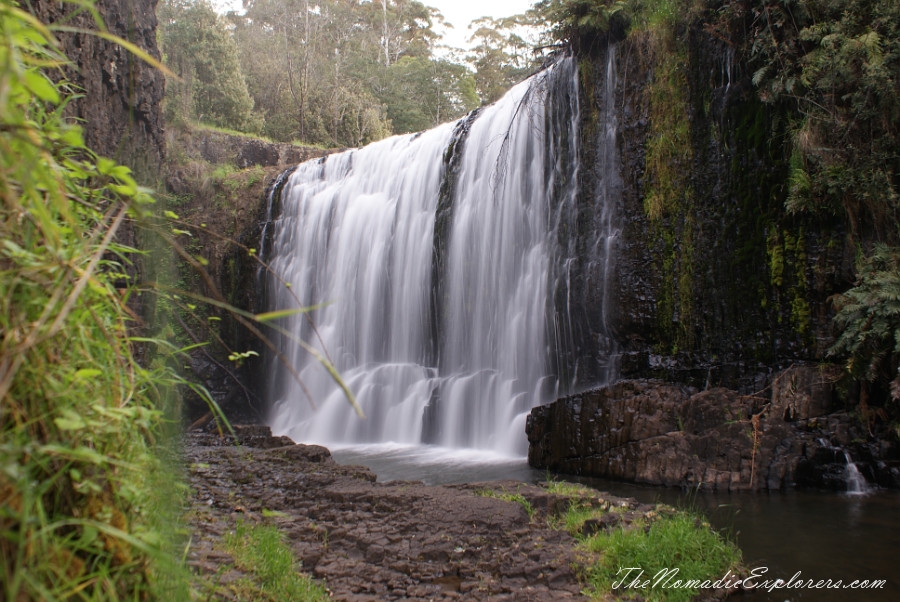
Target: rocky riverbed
(382, 541)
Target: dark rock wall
(725, 287)
(722, 292)
(243, 279)
(122, 95)
(234, 210)
(119, 102)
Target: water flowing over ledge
(441, 260)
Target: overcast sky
(459, 13)
(462, 12)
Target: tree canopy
(201, 50)
(333, 72)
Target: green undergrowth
(208, 127)
(223, 130)
(260, 551)
(568, 489)
(88, 511)
(584, 505)
(679, 543)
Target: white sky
(459, 13)
(462, 12)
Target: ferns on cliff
(834, 65)
(578, 22)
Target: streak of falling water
(608, 195)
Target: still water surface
(822, 535)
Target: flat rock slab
(379, 541)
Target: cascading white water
(856, 482)
(493, 353)
(436, 268)
(586, 351)
(607, 234)
(356, 233)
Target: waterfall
(433, 263)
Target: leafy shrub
(82, 490)
(681, 541)
(835, 66)
(869, 320)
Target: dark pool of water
(821, 535)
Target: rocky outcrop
(660, 433)
(241, 151)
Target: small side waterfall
(587, 229)
(433, 261)
(856, 482)
(608, 195)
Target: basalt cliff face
(118, 97)
(660, 433)
(120, 105)
(715, 286)
(714, 283)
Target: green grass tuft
(681, 541)
(508, 497)
(569, 489)
(261, 551)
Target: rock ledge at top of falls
(240, 150)
(384, 541)
(659, 433)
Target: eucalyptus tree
(408, 29)
(337, 72)
(501, 56)
(301, 57)
(420, 93)
(198, 47)
(278, 41)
